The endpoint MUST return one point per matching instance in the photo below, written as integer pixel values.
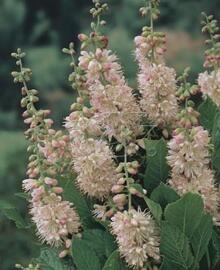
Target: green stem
(127, 177)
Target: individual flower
(95, 167)
(55, 219)
(137, 236)
(157, 85)
(210, 85)
(189, 152)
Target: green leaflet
(186, 213)
(216, 143)
(155, 209)
(175, 246)
(208, 111)
(114, 262)
(72, 194)
(49, 260)
(201, 237)
(102, 242)
(164, 194)
(84, 256)
(12, 213)
(190, 230)
(157, 169)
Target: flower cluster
(95, 167)
(189, 158)
(116, 109)
(157, 82)
(137, 236)
(55, 218)
(210, 85)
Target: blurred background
(42, 28)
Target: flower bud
(117, 189)
(120, 199)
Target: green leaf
(214, 250)
(175, 246)
(167, 265)
(72, 194)
(216, 143)
(207, 111)
(84, 256)
(114, 262)
(164, 195)
(12, 213)
(22, 195)
(49, 260)
(201, 237)
(186, 213)
(157, 169)
(100, 241)
(155, 209)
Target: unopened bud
(117, 189)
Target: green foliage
(185, 213)
(175, 246)
(72, 194)
(114, 262)
(155, 209)
(84, 257)
(186, 233)
(164, 195)
(157, 169)
(49, 260)
(207, 112)
(12, 213)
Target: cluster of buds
(131, 167)
(131, 148)
(151, 7)
(212, 55)
(189, 158)
(151, 45)
(186, 90)
(188, 117)
(98, 8)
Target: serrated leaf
(84, 256)
(186, 213)
(49, 260)
(216, 143)
(207, 111)
(167, 265)
(157, 169)
(175, 246)
(201, 237)
(214, 250)
(100, 241)
(72, 194)
(164, 195)
(155, 209)
(12, 213)
(114, 262)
